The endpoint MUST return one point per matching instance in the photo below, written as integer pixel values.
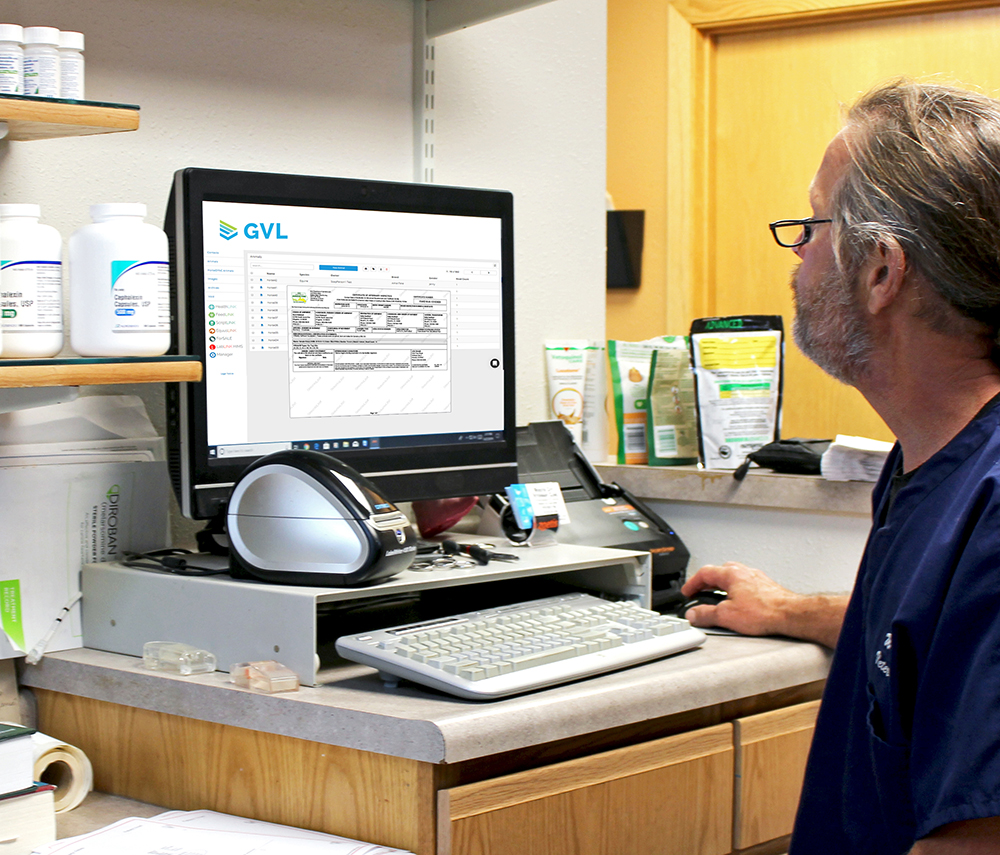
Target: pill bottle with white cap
(11, 59)
(119, 284)
(71, 65)
(41, 61)
(31, 315)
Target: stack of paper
(854, 458)
(207, 831)
(27, 810)
(17, 758)
(27, 819)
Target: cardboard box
(55, 518)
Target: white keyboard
(517, 648)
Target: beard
(831, 327)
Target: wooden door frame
(692, 27)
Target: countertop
(761, 488)
(352, 708)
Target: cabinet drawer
(671, 796)
(771, 753)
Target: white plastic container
(31, 315)
(11, 59)
(119, 284)
(71, 65)
(41, 61)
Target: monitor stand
(243, 620)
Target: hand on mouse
(752, 603)
(757, 605)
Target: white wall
(324, 86)
(807, 551)
(304, 86)
(521, 107)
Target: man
(898, 294)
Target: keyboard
(518, 648)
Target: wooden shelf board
(98, 372)
(45, 118)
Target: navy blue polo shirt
(908, 734)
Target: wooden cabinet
(666, 796)
(188, 764)
(670, 796)
(706, 791)
(771, 752)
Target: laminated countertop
(353, 709)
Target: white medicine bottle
(11, 59)
(41, 61)
(71, 65)
(31, 315)
(119, 284)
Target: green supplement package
(738, 366)
(630, 368)
(672, 418)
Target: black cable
(172, 561)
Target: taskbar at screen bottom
(366, 443)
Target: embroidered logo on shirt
(880, 663)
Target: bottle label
(41, 75)
(11, 73)
(71, 77)
(140, 296)
(31, 296)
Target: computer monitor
(373, 321)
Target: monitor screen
(372, 321)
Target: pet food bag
(738, 366)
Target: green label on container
(10, 611)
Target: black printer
(601, 514)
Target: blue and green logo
(252, 231)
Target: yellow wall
(637, 141)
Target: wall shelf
(22, 373)
(449, 16)
(30, 118)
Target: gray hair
(925, 176)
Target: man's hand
(756, 605)
(971, 837)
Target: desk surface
(352, 708)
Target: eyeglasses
(793, 233)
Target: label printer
(600, 514)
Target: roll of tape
(64, 766)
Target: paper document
(208, 833)
(854, 458)
(94, 472)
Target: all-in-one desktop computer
(372, 321)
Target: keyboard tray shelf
(242, 621)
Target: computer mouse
(707, 597)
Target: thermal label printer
(600, 514)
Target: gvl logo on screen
(253, 231)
